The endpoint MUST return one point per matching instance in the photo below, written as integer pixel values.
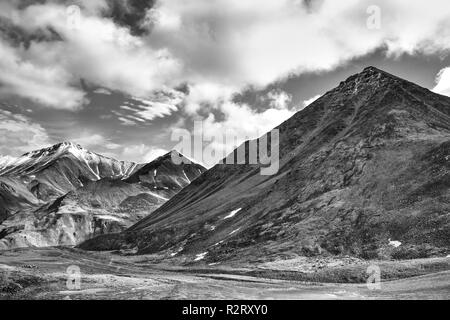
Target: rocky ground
(47, 273)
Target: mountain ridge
(64, 194)
(351, 166)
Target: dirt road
(48, 274)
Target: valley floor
(47, 273)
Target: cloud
(243, 122)
(206, 93)
(311, 100)
(221, 44)
(237, 121)
(136, 110)
(18, 134)
(126, 121)
(110, 57)
(230, 45)
(45, 84)
(102, 91)
(97, 142)
(214, 48)
(141, 153)
(443, 82)
(151, 109)
(279, 99)
(248, 42)
(131, 14)
(89, 140)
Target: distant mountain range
(64, 194)
(364, 166)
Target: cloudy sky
(118, 77)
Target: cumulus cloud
(141, 153)
(218, 48)
(18, 134)
(221, 44)
(229, 45)
(89, 140)
(45, 84)
(311, 100)
(249, 42)
(279, 99)
(92, 48)
(238, 123)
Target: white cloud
(443, 82)
(311, 100)
(126, 121)
(103, 91)
(240, 122)
(18, 134)
(155, 109)
(89, 140)
(231, 44)
(217, 47)
(234, 42)
(45, 84)
(207, 93)
(279, 99)
(94, 49)
(141, 153)
(137, 110)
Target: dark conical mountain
(367, 163)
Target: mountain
(6, 161)
(143, 191)
(46, 174)
(85, 194)
(364, 166)
(54, 171)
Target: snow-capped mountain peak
(56, 150)
(6, 161)
(93, 165)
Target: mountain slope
(54, 171)
(97, 207)
(366, 163)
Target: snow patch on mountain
(234, 231)
(200, 256)
(6, 161)
(394, 243)
(232, 214)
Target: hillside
(86, 195)
(364, 165)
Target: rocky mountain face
(56, 170)
(44, 175)
(65, 194)
(364, 167)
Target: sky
(119, 77)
